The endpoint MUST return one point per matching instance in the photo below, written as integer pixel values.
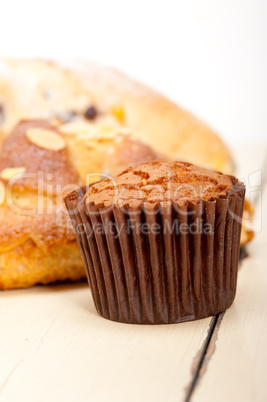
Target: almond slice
(75, 127)
(8, 173)
(46, 139)
(2, 193)
(106, 132)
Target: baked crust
(156, 182)
(27, 265)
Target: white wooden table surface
(54, 347)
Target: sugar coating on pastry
(159, 181)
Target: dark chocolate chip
(91, 113)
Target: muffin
(160, 242)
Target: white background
(208, 56)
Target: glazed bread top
(159, 181)
(36, 150)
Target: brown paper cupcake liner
(173, 263)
